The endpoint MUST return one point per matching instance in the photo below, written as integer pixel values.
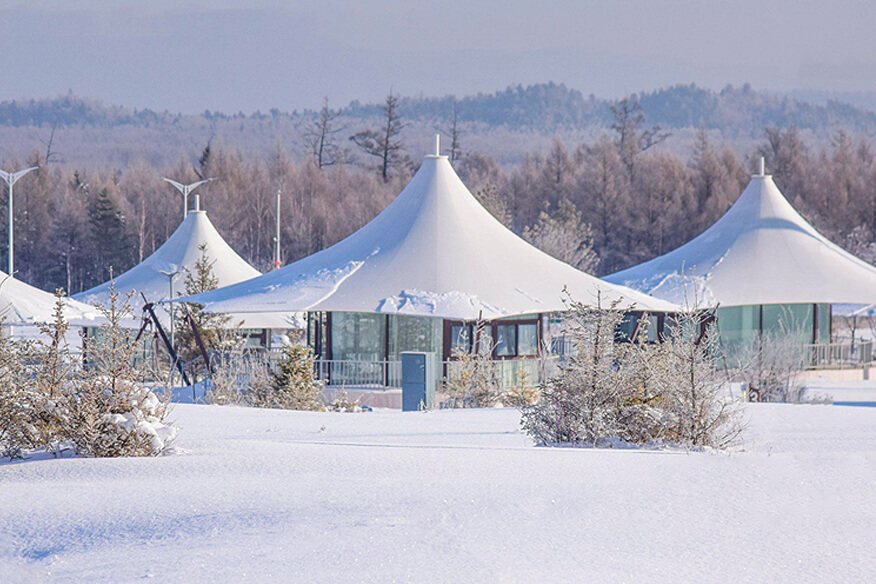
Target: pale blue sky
(231, 55)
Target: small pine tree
(294, 385)
(213, 327)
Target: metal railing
(841, 355)
(371, 374)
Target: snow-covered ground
(448, 496)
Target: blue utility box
(418, 381)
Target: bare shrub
(237, 374)
(771, 363)
(702, 411)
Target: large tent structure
(173, 259)
(419, 274)
(23, 307)
(763, 265)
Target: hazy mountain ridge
(543, 109)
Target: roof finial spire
(437, 144)
(197, 202)
(761, 167)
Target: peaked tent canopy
(22, 304)
(760, 252)
(435, 251)
(178, 254)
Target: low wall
(835, 374)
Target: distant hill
(506, 123)
(551, 107)
(543, 108)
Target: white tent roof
(435, 251)
(179, 252)
(22, 304)
(760, 252)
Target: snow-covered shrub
(471, 380)
(110, 411)
(19, 401)
(343, 403)
(583, 403)
(612, 391)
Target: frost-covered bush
(19, 401)
(585, 402)
(343, 403)
(109, 410)
(250, 379)
(628, 391)
(702, 414)
(236, 375)
(471, 380)
(770, 364)
(49, 401)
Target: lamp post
(11, 178)
(171, 274)
(277, 256)
(186, 189)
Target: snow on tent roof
(435, 251)
(23, 304)
(179, 252)
(760, 252)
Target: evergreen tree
(108, 230)
(211, 326)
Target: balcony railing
(839, 355)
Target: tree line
(601, 205)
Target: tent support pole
(148, 307)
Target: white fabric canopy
(760, 252)
(435, 251)
(178, 254)
(21, 304)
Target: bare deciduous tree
(384, 143)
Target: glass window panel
(738, 325)
(823, 319)
(506, 341)
(414, 333)
(527, 339)
(358, 336)
(790, 319)
(460, 338)
(627, 327)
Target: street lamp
(11, 178)
(278, 258)
(185, 190)
(171, 274)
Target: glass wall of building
(414, 333)
(739, 325)
(358, 336)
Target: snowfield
(448, 496)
